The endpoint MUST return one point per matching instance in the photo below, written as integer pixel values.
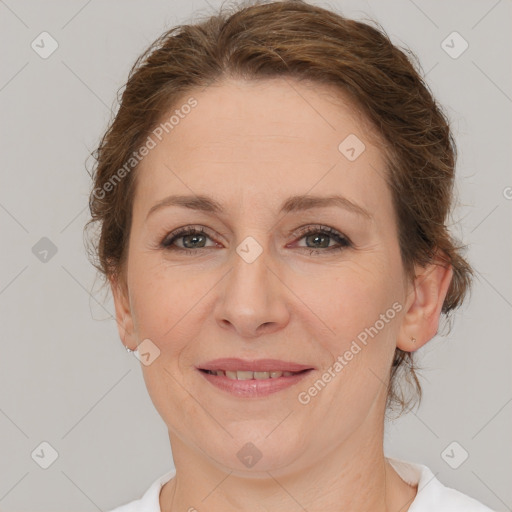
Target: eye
(320, 238)
(193, 238)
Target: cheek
(163, 301)
(362, 309)
(165, 305)
(354, 299)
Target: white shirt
(432, 495)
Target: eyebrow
(292, 204)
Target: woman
(272, 196)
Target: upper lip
(255, 365)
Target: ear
(424, 302)
(124, 319)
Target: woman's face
(319, 286)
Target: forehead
(279, 110)
(263, 138)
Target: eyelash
(303, 232)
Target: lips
(258, 378)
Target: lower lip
(253, 388)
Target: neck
(353, 476)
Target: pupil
(192, 238)
(320, 237)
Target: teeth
(244, 375)
(247, 375)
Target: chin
(255, 453)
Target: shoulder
(150, 501)
(432, 494)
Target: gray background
(65, 377)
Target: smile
(248, 384)
(249, 375)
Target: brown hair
(292, 38)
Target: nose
(253, 300)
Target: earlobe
(424, 304)
(123, 314)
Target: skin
(251, 145)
